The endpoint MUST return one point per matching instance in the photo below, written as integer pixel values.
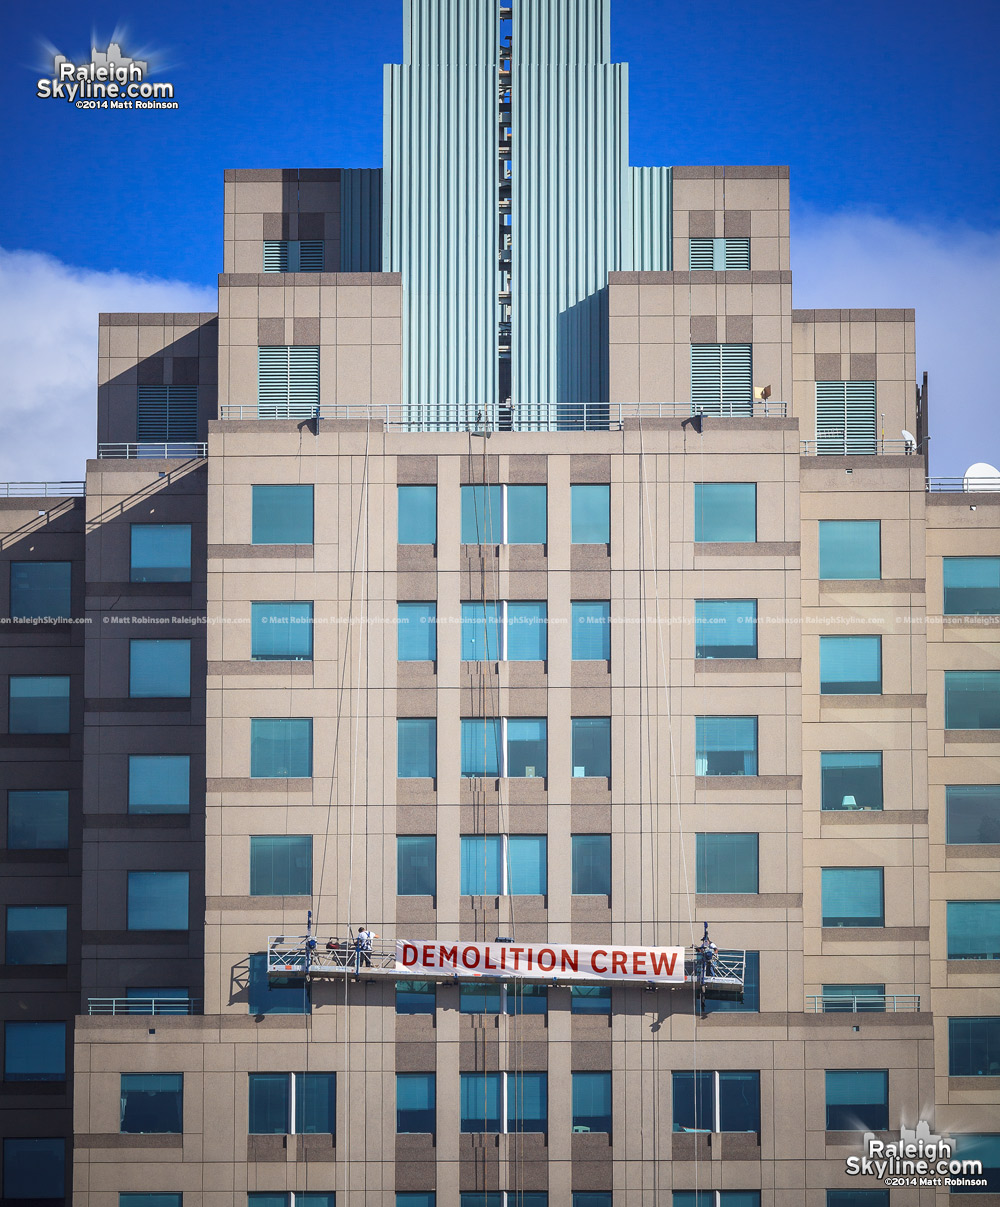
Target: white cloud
(48, 349)
(951, 277)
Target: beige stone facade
(654, 804)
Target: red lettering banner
(543, 961)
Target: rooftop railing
(869, 1003)
(964, 484)
(832, 446)
(559, 417)
(41, 490)
(143, 1005)
(158, 451)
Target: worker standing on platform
(363, 948)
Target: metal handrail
(155, 450)
(963, 485)
(555, 417)
(143, 1005)
(856, 446)
(41, 490)
(888, 1003)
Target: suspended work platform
(716, 975)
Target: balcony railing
(559, 417)
(875, 1003)
(964, 484)
(858, 447)
(162, 451)
(144, 1005)
(41, 490)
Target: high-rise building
(506, 559)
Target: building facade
(506, 557)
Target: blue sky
(886, 111)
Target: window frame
(991, 1045)
(296, 845)
(502, 621)
(135, 574)
(951, 562)
(703, 854)
(502, 731)
(401, 838)
(846, 921)
(828, 526)
(505, 512)
(749, 623)
(504, 1105)
(59, 614)
(716, 1106)
(577, 521)
(60, 705)
(703, 748)
(882, 1123)
(700, 501)
(181, 645)
(502, 862)
(129, 908)
(293, 1106)
(256, 611)
(427, 620)
(831, 792)
(139, 1077)
(431, 725)
(58, 822)
(256, 761)
(991, 792)
(409, 511)
(259, 511)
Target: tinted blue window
(591, 742)
(983, 1147)
(522, 998)
(481, 865)
(281, 631)
(415, 1102)
(527, 747)
(706, 1198)
(973, 1047)
(275, 995)
(417, 515)
(739, 1101)
(316, 1103)
(725, 746)
(527, 1102)
(34, 1052)
(866, 998)
(590, 514)
(527, 632)
(161, 553)
(850, 665)
(591, 864)
(526, 518)
(592, 1198)
(850, 549)
(482, 515)
(694, 1101)
(159, 783)
(971, 586)
(591, 1102)
(725, 511)
(158, 900)
(416, 865)
(34, 1168)
(281, 747)
(159, 668)
(39, 704)
(36, 934)
(851, 779)
(150, 1200)
(726, 863)
(725, 628)
(39, 590)
(416, 632)
(857, 1100)
(270, 1104)
(157, 999)
(416, 747)
(415, 997)
(973, 813)
(857, 1198)
(852, 897)
(526, 873)
(751, 989)
(481, 632)
(152, 1102)
(418, 1198)
(479, 997)
(282, 515)
(590, 999)
(480, 746)
(591, 630)
(280, 865)
(971, 699)
(268, 1199)
(37, 820)
(974, 930)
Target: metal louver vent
(287, 382)
(293, 255)
(167, 413)
(845, 417)
(719, 255)
(721, 379)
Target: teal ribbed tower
(507, 200)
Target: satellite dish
(981, 476)
(910, 441)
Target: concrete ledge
(298, 666)
(877, 586)
(972, 736)
(875, 934)
(874, 817)
(751, 900)
(746, 549)
(113, 1140)
(748, 666)
(258, 903)
(828, 703)
(981, 850)
(238, 784)
(974, 968)
(748, 783)
(260, 551)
